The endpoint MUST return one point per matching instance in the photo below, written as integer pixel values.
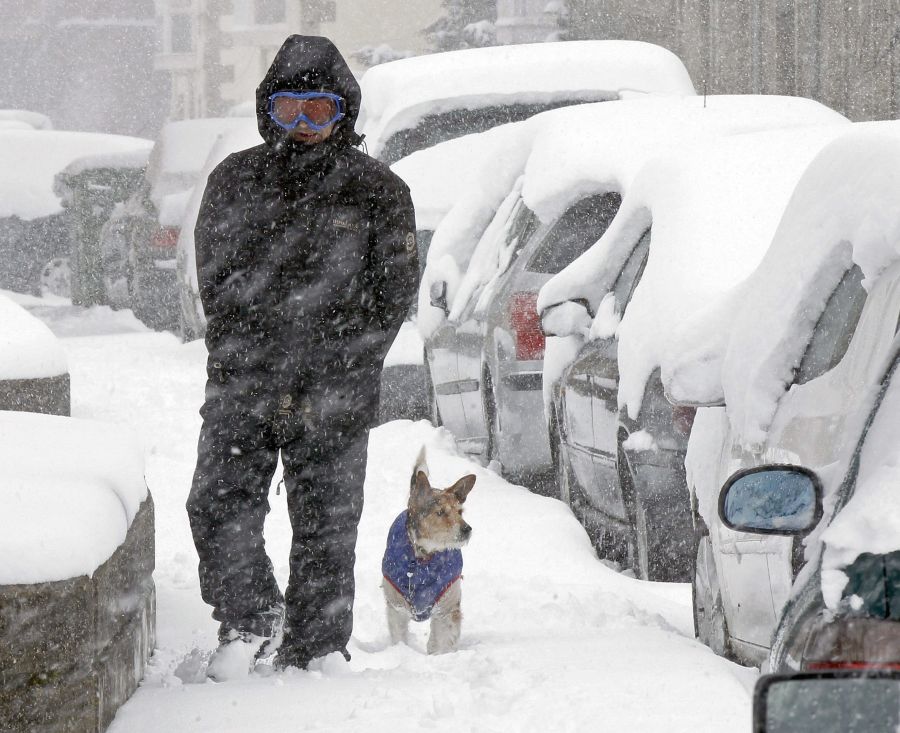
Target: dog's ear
(420, 493)
(419, 482)
(462, 487)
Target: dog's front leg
(397, 615)
(446, 621)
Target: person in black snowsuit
(306, 260)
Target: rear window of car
(575, 231)
(437, 128)
(835, 327)
(631, 273)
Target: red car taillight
(526, 325)
(683, 419)
(165, 237)
(822, 666)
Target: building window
(269, 12)
(180, 40)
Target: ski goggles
(317, 109)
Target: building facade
(845, 55)
(217, 51)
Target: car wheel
(710, 624)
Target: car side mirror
(570, 318)
(782, 500)
(438, 295)
(827, 700)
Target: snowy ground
(552, 640)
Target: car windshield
(437, 128)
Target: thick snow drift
(28, 349)
(68, 493)
(743, 348)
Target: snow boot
(240, 650)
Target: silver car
(487, 365)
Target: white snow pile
(440, 175)
(30, 160)
(28, 349)
(70, 489)
(397, 95)
(34, 120)
(743, 348)
(135, 158)
(870, 521)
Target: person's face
(305, 135)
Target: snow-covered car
(437, 177)
(192, 319)
(691, 223)
(548, 193)
(77, 598)
(414, 103)
(795, 354)
(33, 228)
(139, 241)
(89, 188)
(34, 373)
(26, 118)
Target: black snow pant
(323, 477)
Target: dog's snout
(465, 530)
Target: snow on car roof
(29, 161)
(69, 491)
(714, 209)
(133, 158)
(577, 151)
(35, 120)
(743, 348)
(186, 144)
(28, 349)
(439, 176)
(396, 95)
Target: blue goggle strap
(338, 103)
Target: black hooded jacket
(306, 260)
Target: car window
(835, 327)
(437, 128)
(524, 222)
(574, 232)
(631, 273)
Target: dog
(422, 565)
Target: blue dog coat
(420, 582)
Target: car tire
(710, 624)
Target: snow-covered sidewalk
(552, 639)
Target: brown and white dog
(422, 565)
